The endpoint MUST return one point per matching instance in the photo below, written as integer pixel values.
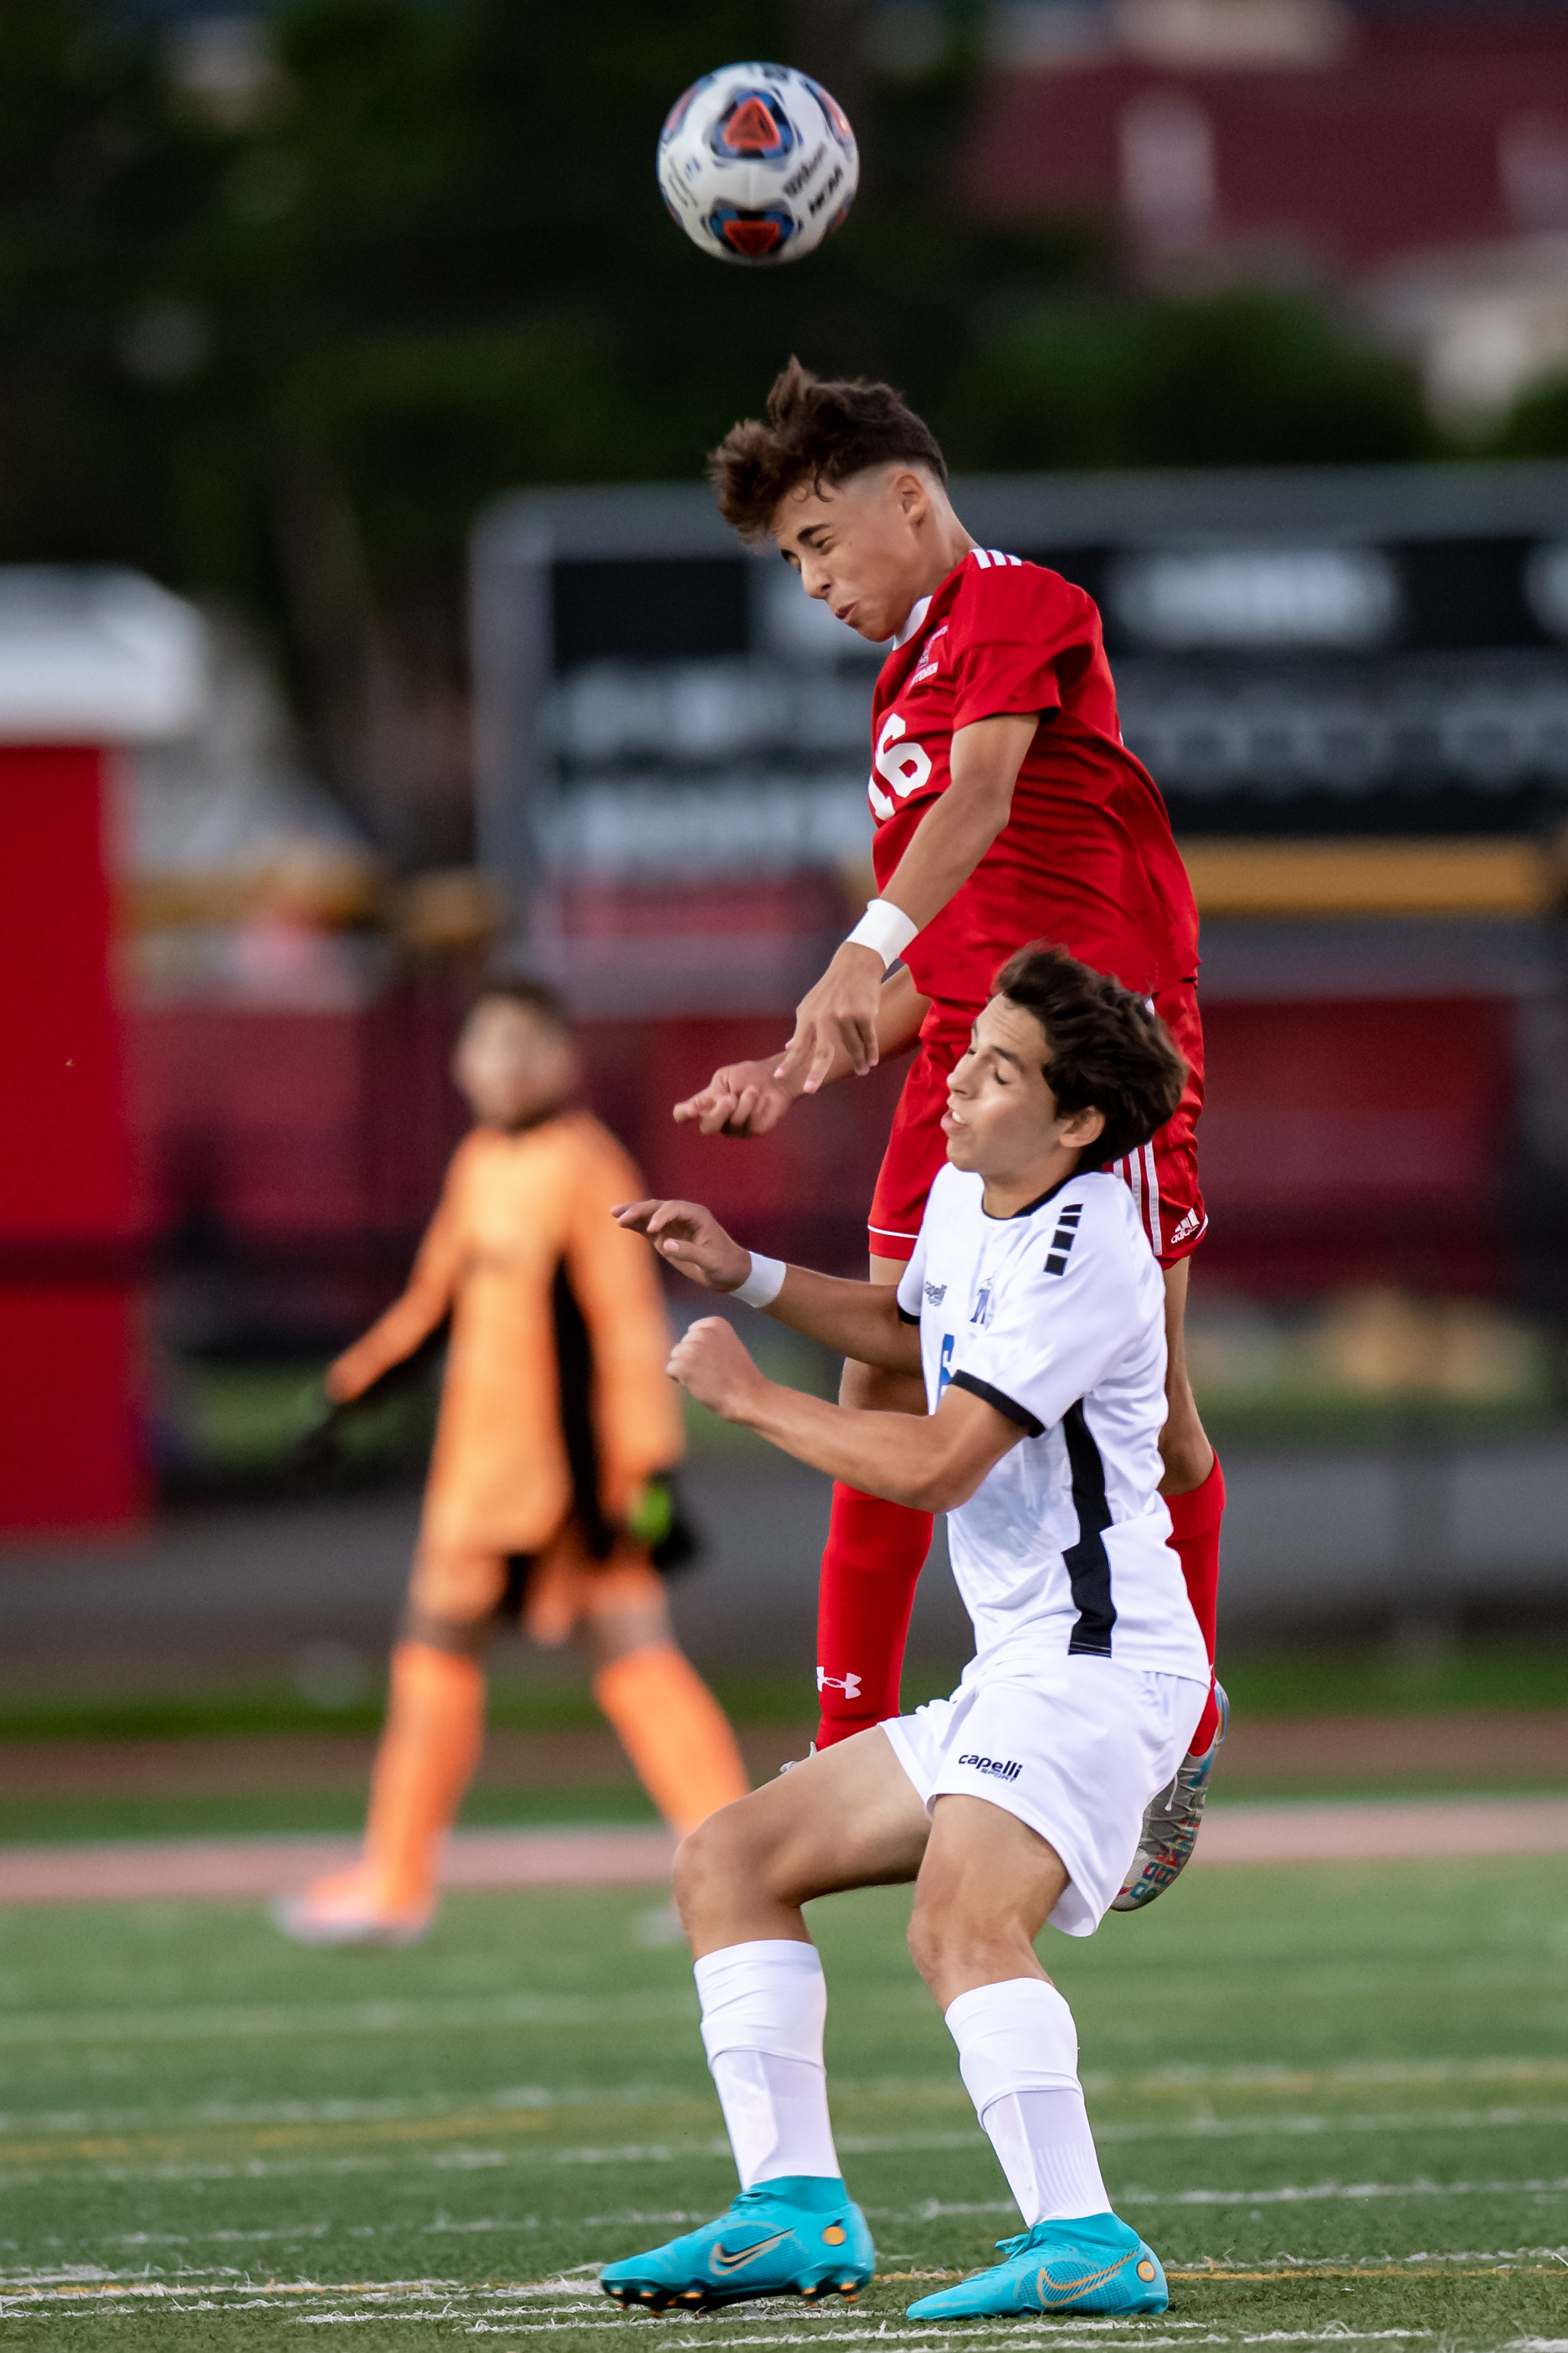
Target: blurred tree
(1538, 427)
(282, 350)
(97, 176)
(1240, 378)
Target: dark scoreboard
(1355, 651)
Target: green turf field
(1335, 2100)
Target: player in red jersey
(1007, 810)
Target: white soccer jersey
(1056, 1317)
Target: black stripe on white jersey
(1086, 1563)
(1064, 1238)
(998, 1399)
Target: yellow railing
(1490, 875)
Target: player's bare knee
(954, 1954)
(940, 1935)
(938, 1952)
(731, 1850)
(927, 1939)
(703, 1862)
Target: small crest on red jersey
(930, 661)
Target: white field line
(348, 2113)
(946, 2089)
(75, 2281)
(1197, 2265)
(28, 2029)
(578, 2287)
(24, 2029)
(217, 2113)
(1295, 2127)
(1012, 2329)
(529, 2156)
(491, 2325)
(477, 2311)
(1289, 2196)
(1348, 2071)
(443, 2301)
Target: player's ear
(1082, 1128)
(911, 493)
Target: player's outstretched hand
(838, 1016)
(692, 1238)
(712, 1364)
(743, 1099)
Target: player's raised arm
(931, 1463)
(749, 1099)
(858, 1319)
(412, 1318)
(835, 1022)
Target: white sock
(764, 2008)
(1018, 2052)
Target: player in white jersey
(1034, 1306)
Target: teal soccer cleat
(797, 2236)
(1094, 2265)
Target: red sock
(1194, 1532)
(870, 1567)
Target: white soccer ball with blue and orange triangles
(758, 164)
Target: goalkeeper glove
(316, 1424)
(657, 1519)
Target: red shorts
(1164, 1174)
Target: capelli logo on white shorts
(1000, 1769)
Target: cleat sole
(695, 2300)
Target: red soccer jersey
(1087, 856)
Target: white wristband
(886, 928)
(763, 1284)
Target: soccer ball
(757, 163)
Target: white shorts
(1077, 1752)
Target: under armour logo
(849, 1684)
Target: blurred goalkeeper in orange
(557, 1420)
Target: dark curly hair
(818, 429)
(1108, 1053)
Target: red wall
(1395, 149)
(67, 1168)
(815, 1172)
(69, 1455)
(1337, 1137)
(278, 1126)
(1344, 1142)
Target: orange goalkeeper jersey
(520, 1218)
